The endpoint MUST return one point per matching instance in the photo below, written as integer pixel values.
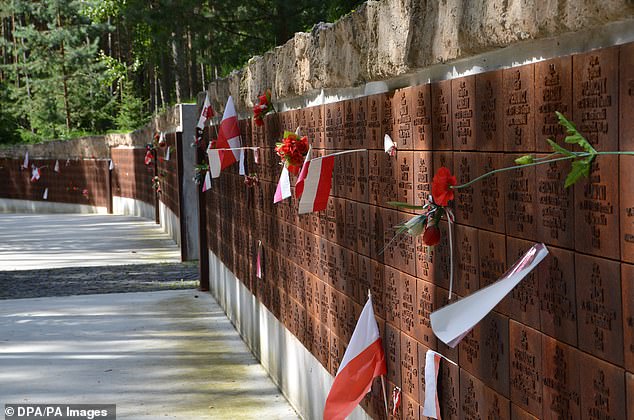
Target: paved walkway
(168, 354)
(32, 241)
(157, 355)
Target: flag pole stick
(387, 414)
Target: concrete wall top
(392, 38)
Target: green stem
(541, 162)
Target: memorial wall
(561, 344)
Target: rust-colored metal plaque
(392, 344)
(627, 279)
(363, 228)
(560, 370)
(408, 295)
(466, 210)
(557, 295)
(492, 253)
(362, 187)
(441, 260)
(602, 389)
(391, 218)
(463, 92)
(409, 366)
(442, 121)
(519, 112)
(406, 249)
(524, 298)
(405, 176)
(351, 235)
(494, 341)
(596, 209)
(626, 96)
(600, 317)
(478, 401)
(421, 125)
(448, 390)
(377, 232)
(424, 304)
(554, 205)
(467, 261)
(519, 200)
(375, 162)
(361, 123)
(423, 175)
(424, 260)
(626, 198)
(349, 175)
(334, 125)
(390, 173)
(409, 407)
(553, 92)
(378, 288)
(337, 350)
(392, 298)
(595, 95)
(489, 203)
(315, 126)
(374, 117)
(629, 380)
(349, 140)
(489, 121)
(388, 116)
(403, 109)
(526, 367)
(349, 270)
(363, 282)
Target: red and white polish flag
(35, 174)
(432, 405)
(363, 361)
(283, 189)
(205, 113)
(228, 138)
(313, 184)
(207, 182)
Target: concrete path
(32, 241)
(157, 355)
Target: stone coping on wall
(389, 44)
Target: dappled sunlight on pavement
(32, 241)
(171, 355)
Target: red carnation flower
(431, 236)
(441, 185)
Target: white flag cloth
(432, 405)
(35, 173)
(452, 322)
(215, 161)
(389, 145)
(25, 164)
(363, 361)
(283, 190)
(45, 196)
(207, 183)
(56, 169)
(205, 113)
(111, 166)
(167, 153)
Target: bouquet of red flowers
(292, 150)
(262, 108)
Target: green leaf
(525, 160)
(557, 148)
(288, 133)
(574, 137)
(400, 204)
(580, 169)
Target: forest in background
(75, 67)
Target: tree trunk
(176, 66)
(64, 78)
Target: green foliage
(73, 66)
(132, 112)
